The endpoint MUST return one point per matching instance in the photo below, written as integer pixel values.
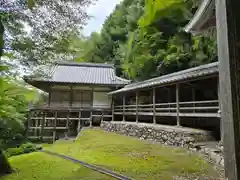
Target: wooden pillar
(49, 97)
(79, 121)
(43, 124)
(54, 126)
(193, 97)
(154, 104)
(124, 102)
(219, 112)
(177, 104)
(91, 118)
(102, 117)
(113, 108)
(71, 96)
(169, 99)
(29, 119)
(36, 124)
(228, 37)
(137, 93)
(67, 125)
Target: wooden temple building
(77, 96)
(84, 93)
(186, 98)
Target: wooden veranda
(51, 123)
(186, 98)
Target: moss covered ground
(40, 166)
(132, 157)
(126, 155)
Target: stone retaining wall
(168, 135)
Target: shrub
(23, 149)
(13, 152)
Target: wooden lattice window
(60, 96)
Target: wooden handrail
(174, 103)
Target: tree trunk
(5, 167)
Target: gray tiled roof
(191, 73)
(85, 73)
(204, 12)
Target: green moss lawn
(40, 166)
(135, 158)
(127, 155)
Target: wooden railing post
(137, 106)
(124, 102)
(154, 105)
(177, 104)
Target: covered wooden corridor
(186, 98)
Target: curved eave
(203, 71)
(201, 17)
(45, 85)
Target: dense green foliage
(14, 99)
(22, 149)
(146, 39)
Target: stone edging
(169, 135)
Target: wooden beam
(228, 35)
(154, 104)
(124, 103)
(137, 101)
(177, 104)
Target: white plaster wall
(101, 99)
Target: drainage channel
(93, 167)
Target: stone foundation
(168, 135)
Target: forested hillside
(145, 38)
